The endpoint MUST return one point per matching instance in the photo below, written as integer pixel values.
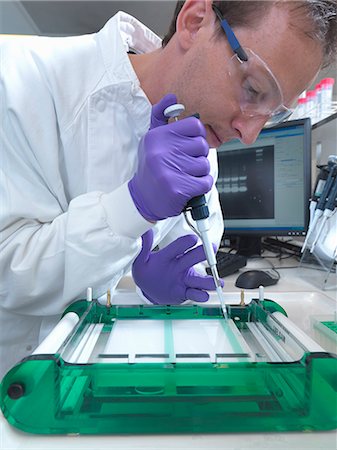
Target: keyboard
(228, 263)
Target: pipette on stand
(321, 202)
(200, 214)
(318, 189)
(328, 211)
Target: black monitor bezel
(307, 157)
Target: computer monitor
(264, 188)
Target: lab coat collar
(124, 31)
(135, 35)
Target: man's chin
(212, 138)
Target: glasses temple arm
(232, 39)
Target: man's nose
(249, 127)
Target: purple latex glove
(166, 276)
(172, 165)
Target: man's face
(205, 83)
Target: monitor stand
(248, 245)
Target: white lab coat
(72, 115)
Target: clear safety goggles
(256, 88)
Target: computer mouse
(252, 279)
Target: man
(89, 168)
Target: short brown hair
(322, 15)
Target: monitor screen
(264, 188)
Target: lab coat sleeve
(51, 248)
(181, 228)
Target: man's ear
(194, 15)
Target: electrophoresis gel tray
(184, 369)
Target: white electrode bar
(58, 335)
(89, 294)
(261, 293)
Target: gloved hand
(172, 165)
(167, 276)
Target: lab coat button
(100, 105)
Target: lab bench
(295, 294)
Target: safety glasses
(255, 86)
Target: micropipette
(200, 214)
(321, 202)
(328, 211)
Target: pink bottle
(326, 95)
(311, 104)
(301, 110)
(318, 89)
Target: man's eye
(252, 93)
